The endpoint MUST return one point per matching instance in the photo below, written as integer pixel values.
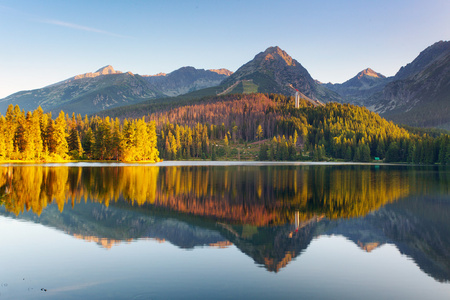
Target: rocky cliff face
(419, 95)
(425, 57)
(273, 70)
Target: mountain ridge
(105, 88)
(419, 94)
(424, 58)
(187, 79)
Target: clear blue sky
(43, 42)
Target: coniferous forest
(208, 129)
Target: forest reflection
(256, 195)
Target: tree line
(335, 131)
(36, 136)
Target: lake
(186, 230)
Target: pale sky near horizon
(43, 42)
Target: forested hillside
(345, 132)
(211, 127)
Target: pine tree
(2, 140)
(127, 145)
(59, 135)
(263, 152)
(141, 140)
(116, 139)
(9, 131)
(88, 143)
(259, 132)
(392, 154)
(153, 153)
(213, 153)
(74, 143)
(20, 138)
(365, 153)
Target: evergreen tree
(127, 144)
(116, 139)
(102, 135)
(365, 153)
(74, 143)
(259, 133)
(392, 154)
(263, 152)
(9, 131)
(88, 143)
(213, 153)
(152, 149)
(59, 136)
(50, 137)
(2, 140)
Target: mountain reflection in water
(271, 213)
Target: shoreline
(205, 163)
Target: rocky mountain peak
(222, 71)
(277, 54)
(370, 73)
(274, 71)
(106, 70)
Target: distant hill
(106, 88)
(419, 95)
(272, 71)
(357, 89)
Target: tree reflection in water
(270, 212)
(263, 195)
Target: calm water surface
(202, 231)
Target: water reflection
(271, 213)
(259, 196)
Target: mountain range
(418, 95)
(106, 88)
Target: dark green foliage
(263, 155)
(213, 153)
(392, 154)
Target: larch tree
(60, 136)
